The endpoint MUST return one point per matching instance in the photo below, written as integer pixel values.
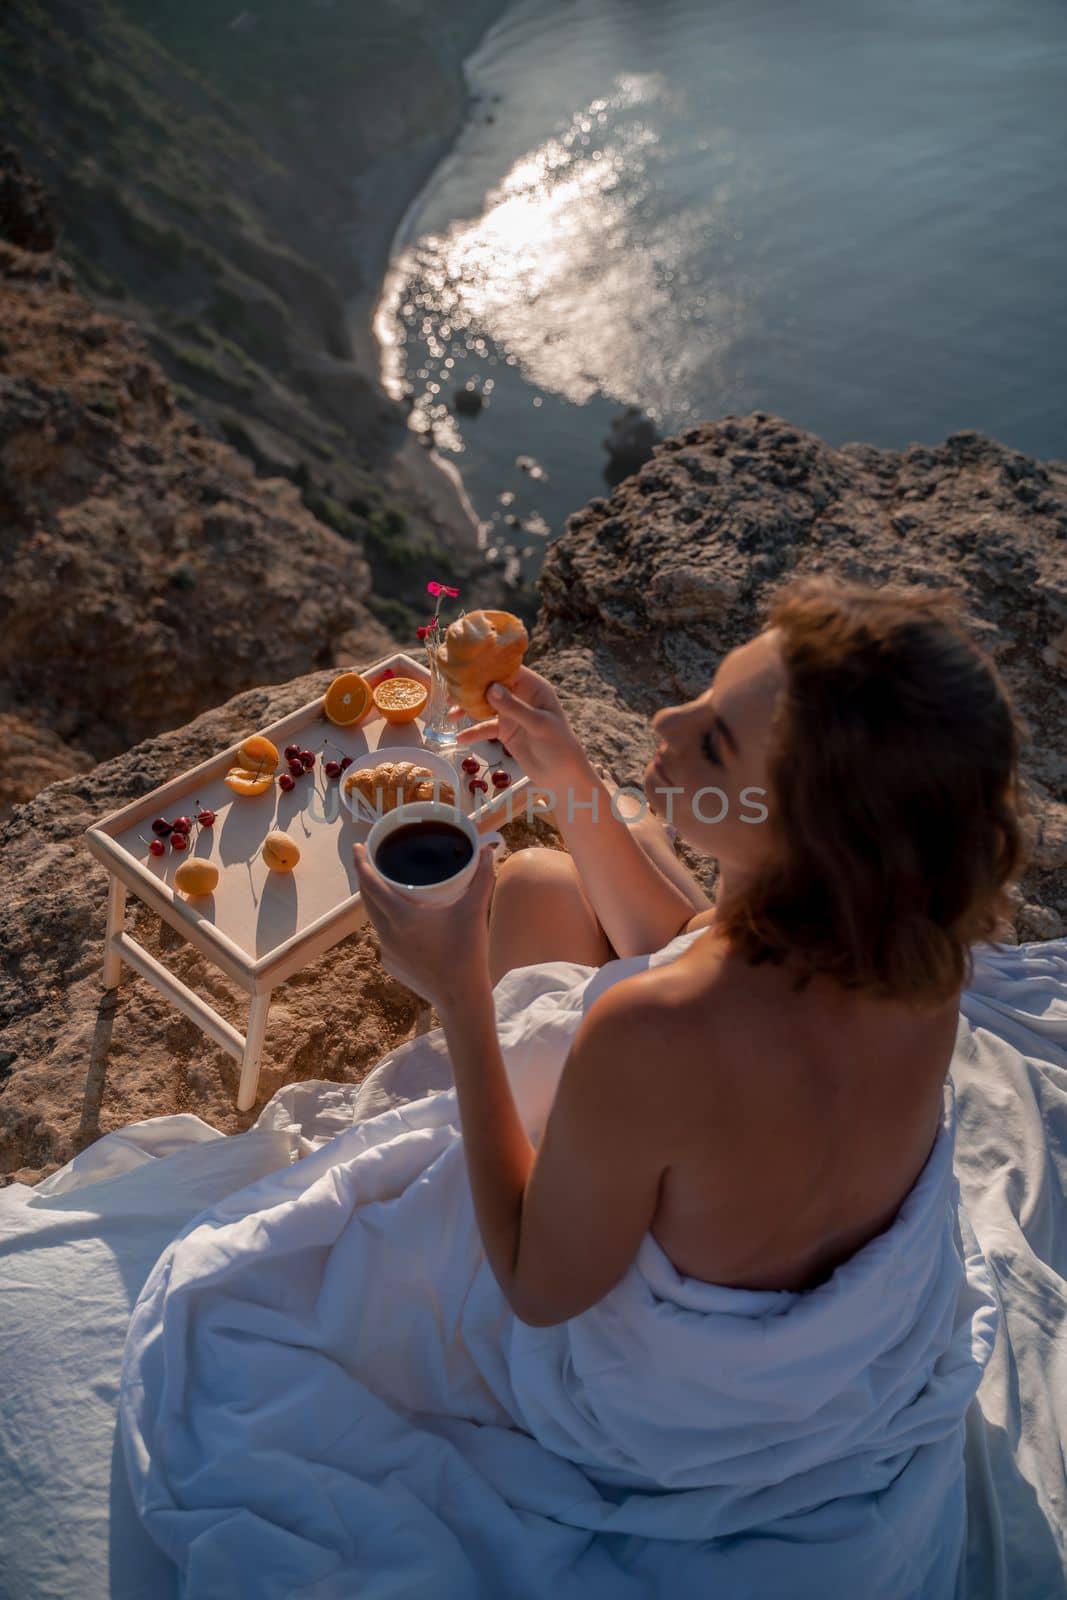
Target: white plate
(439, 766)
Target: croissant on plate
(394, 783)
(478, 649)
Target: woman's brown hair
(894, 794)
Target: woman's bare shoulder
(686, 998)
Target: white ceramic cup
(448, 889)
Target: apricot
(256, 754)
(279, 851)
(196, 876)
(242, 781)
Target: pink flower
(452, 592)
(420, 633)
(434, 588)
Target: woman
(590, 1301)
(776, 1087)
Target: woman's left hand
(428, 947)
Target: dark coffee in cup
(426, 851)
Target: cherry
(181, 825)
(157, 847)
(178, 841)
(161, 825)
(205, 817)
(479, 783)
(501, 779)
(296, 767)
(346, 763)
(470, 763)
(292, 752)
(333, 769)
(388, 673)
(287, 781)
(307, 760)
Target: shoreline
(402, 177)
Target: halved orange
(257, 754)
(401, 699)
(241, 781)
(347, 698)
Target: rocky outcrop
(641, 597)
(148, 567)
(229, 186)
(26, 217)
(647, 590)
(34, 757)
(148, 572)
(631, 441)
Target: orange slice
(347, 698)
(196, 877)
(257, 754)
(241, 781)
(401, 699)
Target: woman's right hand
(534, 726)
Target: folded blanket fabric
(324, 1392)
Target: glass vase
(438, 728)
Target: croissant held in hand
(394, 783)
(478, 649)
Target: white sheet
(1010, 1073)
(74, 1253)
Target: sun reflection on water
(543, 279)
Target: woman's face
(714, 750)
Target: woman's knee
(537, 864)
(539, 912)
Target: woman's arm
(560, 1225)
(636, 904)
(497, 1147)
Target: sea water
(852, 214)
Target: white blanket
(322, 1381)
(331, 1399)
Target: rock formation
(148, 572)
(233, 191)
(647, 590)
(631, 441)
(641, 597)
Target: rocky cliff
(639, 600)
(147, 570)
(228, 180)
(150, 567)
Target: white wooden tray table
(259, 926)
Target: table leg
(257, 1027)
(116, 919)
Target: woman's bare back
(802, 1122)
